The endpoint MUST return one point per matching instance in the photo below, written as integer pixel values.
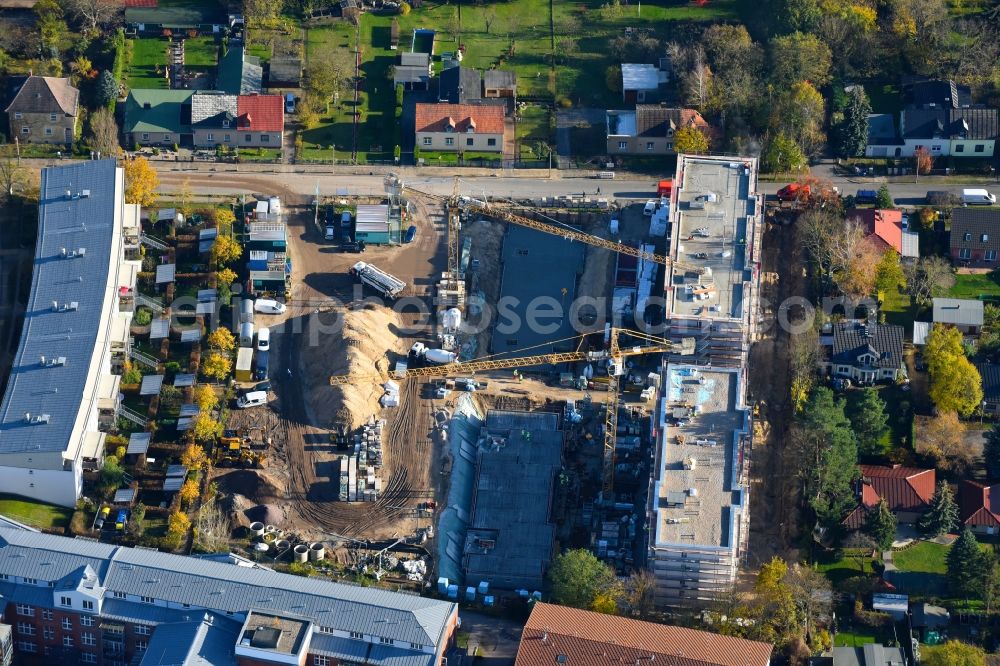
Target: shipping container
(244, 364)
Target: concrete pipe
(281, 544)
(257, 529)
(300, 553)
(316, 551)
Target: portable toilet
(470, 594)
(484, 587)
(489, 600)
(246, 334)
(442, 585)
(522, 594)
(453, 591)
(536, 595)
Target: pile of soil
(269, 514)
(367, 349)
(250, 483)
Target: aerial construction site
(513, 376)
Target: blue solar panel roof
(70, 222)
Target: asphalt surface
(515, 187)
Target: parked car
(410, 233)
(263, 338)
(866, 196)
(252, 399)
(289, 103)
(649, 208)
(268, 306)
(794, 191)
(121, 520)
(352, 246)
(262, 386)
(331, 233)
(102, 516)
(978, 197)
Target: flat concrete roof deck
(708, 438)
(713, 236)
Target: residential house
(260, 120)
(975, 236)
(44, 110)
(284, 72)
(990, 373)
(907, 490)
(979, 507)
(564, 635)
(460, 127)
(239, 73)
(867, 353)
(413, 71)
(460, 85)
(964, 314)
(939, 116)
(213, 119)
(500, 83)
(157, 117)
(929, 620)
(885, 229)
(641, 83)
(883, 137)
(649, 129)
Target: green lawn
(983, 285)
(534, 127)
(925, 557)
(897, 309)
(148, 54)
(441, 157)
(35, 514)
(885, 97)
(854, 638)
(201, 53)
(839, 565)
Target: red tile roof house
(979, 507)
(562, 636)
(458, 128)
(883, 227)
(260, 121)
(908, 490)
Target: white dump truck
(379, 280)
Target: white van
(268, 306)
(972, 197)
(252, 399)
(649, 208)
(263, 339)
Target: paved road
(305, 184)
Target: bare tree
(640, 589)
(94, 14)
(13, 176)
(853, 260)
(103, 136)
(489, 18)
(928, 277)
(698, 81)
(214, 528)
(813, 596)
(862, 545)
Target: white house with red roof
(260, 120)
(460, 128)
(979, 507)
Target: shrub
(143, 317)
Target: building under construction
(511, 534)
(698, 514)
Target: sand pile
(366, 348)
(269, 514)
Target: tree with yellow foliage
(227, 276)
(206, 429)
(222, 340)
(178, 525)
(690, 140)
(225, 218)
(205, 398)
(189, 493)
(194, 457)
(226, 250)
(141, 182)
(216, 366)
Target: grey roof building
(208, 606)
(975, 235)
(239, 74)
(46, 94)
(964, 313)
(872, 654)
(867, 352)
(61, 377)
(460, 85)
(939, 93)
(213, 110)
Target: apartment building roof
(203, 584)
(53, 375)
(480, 118)
(697, 488)
(46, 94)
(207, 640)
(573, 637)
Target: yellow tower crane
(614, 355)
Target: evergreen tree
(942, 516)
(965, 565)
(880, 525)
(827, 455)
(991, 451)
(883, 199)
(107, 89)
(870, 423)
(853, 131)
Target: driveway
(497, 638)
